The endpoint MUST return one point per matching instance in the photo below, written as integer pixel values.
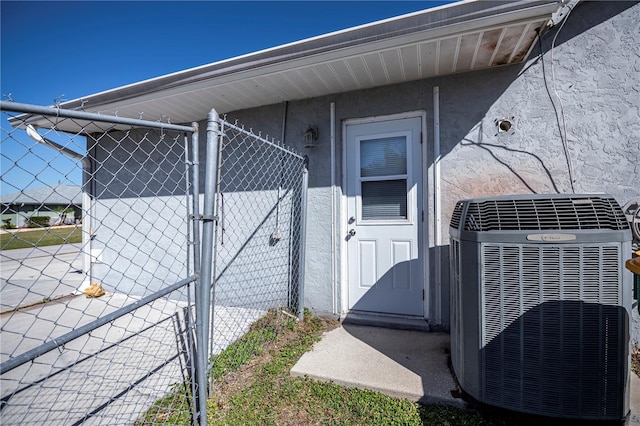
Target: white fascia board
(296, 64)
(258, 53)
(274, 63)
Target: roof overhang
(459, 37)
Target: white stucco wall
(595, 71)
(139, 244)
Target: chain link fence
(261, 201)
(97, 268)
(123, 300)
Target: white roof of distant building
(57, 194)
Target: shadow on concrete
(562, 362)
(111, 381)
(403, 340)
(421, 353)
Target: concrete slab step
(400, 363)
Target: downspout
(87, 190)
(290, 294)
(284, 121)
(437, 205)
(334, 286)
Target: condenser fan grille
(567, 213)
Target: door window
(383, 178)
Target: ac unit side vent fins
(456, 215)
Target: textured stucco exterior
(575, 109)
(138, 236)
(591, 77)
(140, 241)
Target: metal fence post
(303, 237)
(195, 190)
(195, 193)
(206, 276)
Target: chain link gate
(95, 204)
(174, 303)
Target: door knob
(352, 232)
(352, 219)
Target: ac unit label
(551, 238)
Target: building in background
(61, 203)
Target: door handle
(352, 219)
(352, 232)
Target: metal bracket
(565, 8)
(205, 218)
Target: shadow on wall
(443, 253)
(137, 163)
(581, 19)
(511, 166)
(504, 155)
(257, 254)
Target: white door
(384, 192)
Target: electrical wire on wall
(560, 116)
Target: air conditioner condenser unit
(541, 304)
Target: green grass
(269, 396)
(240, 352)
(40, 237)
(252, 386)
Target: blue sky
(65, 50)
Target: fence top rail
(82, 115)
(242, 130)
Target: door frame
(422, 226)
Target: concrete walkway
(634, 417)
(399, 363)
(32, 275)
(109, 376)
